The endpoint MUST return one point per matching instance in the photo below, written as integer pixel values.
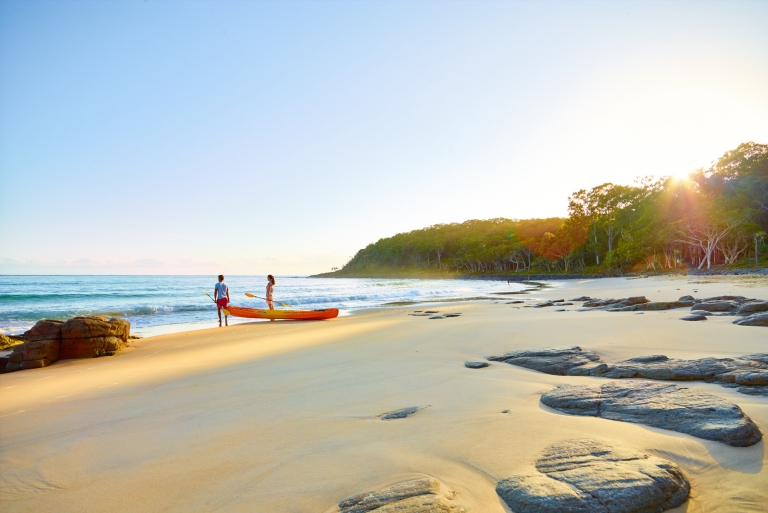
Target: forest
(715, 217)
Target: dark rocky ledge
(661, 405)
(587, 476)
(748, 373)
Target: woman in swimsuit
(270, 287)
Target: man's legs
(218, 310)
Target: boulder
(660, 405)
(87, 337)
(549, 361)
(759, 319)
(46, 329)
(716, 306)
(422, 495)
(592, 477)
(753, 307)
(34, 364)
(42, 350)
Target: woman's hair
(271, 278)
(221, 277)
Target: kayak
(296, 315)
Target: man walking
(221, 296)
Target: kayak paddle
(226, 312)
(265, 299)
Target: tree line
(715, 216)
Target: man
(221, 296)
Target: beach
(285, 416)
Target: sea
(167, 304)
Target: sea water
(154, 304)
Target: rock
(514, 302)
(475, 365)
(759, 319)
(34, 364)
(716, 306)
(401, 414)
(660, 405)
(759, 391)
(550, 361)
(437, 317)
(16, 357)
(423, 495)
(591, 477)
(573, 361)
(87, 337)
(46, 329)
(504, 411)
(694, 318)
(9, 342)
(448, 316)
(581, 298)
(754, 307)
(42, 349)
(12, 367)
(687, 298)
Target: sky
(234, 137)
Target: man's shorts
(222, 302)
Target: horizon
(190, 139)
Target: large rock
(42, 350)
(84, 337)
(759, 319)
(753, 307)
(716, 306)
(550, 360)
(744, 371)
(46, 329)
(587, 476)
(665, 406)
(424, 495)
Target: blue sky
(255, 137)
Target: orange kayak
(296, 315)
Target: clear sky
(252, 137)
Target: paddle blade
(249, 294)
(226, 312)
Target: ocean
(165, 304)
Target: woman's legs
(271, 306)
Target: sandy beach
(284, 416)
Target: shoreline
(274, 416)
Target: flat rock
(753, 307)
(581, 298)
(716, 306)
(661, 405)
(550, 360)
(587, 476)
(758, 319)
(402, 413)
(694, 318)
(476, 365)
(748, 370)
(423, 495)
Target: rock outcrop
(759, 319)
(742, 372)
(87, 337)
(718, 305)
(79, 337)
(550, 360)
(587, 476)
(661, 405)
(424, 495)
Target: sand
(283, 416)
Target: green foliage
(718, 216)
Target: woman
(270, 287)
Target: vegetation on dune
(715, 216)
